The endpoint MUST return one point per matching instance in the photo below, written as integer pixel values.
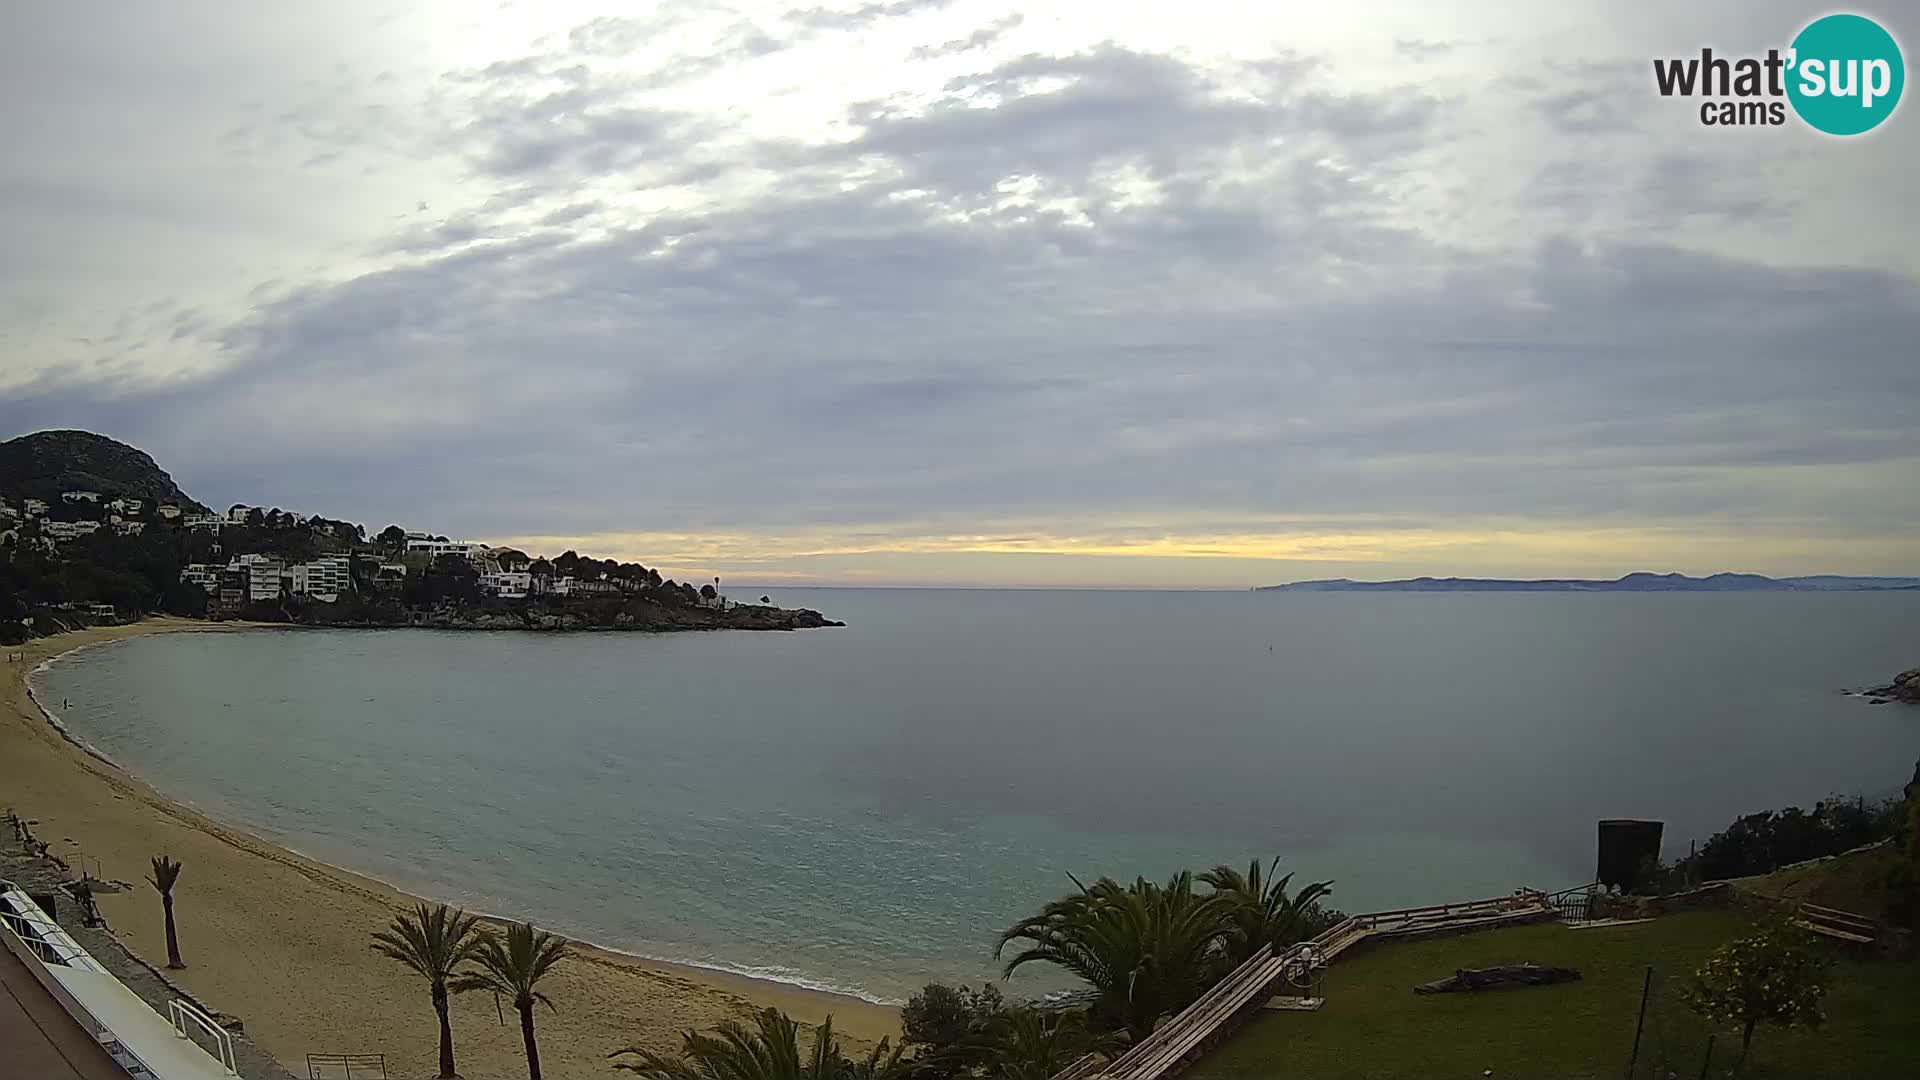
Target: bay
(862, 809)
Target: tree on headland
(1145, 949)
(433, 941)
(166, 873)
(512, 969)
(1263, 913)
(770, 1050)
(392, 538)
(1903, 878)
(1771, 977)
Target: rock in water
(1904, 687)
(1466, 980)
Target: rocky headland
(1905, 687)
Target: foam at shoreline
(772, 973)
(53, 720)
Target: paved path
(41, 1041)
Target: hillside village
(72, 554)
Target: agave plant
(1144, 950)
(1261, 911)
(512, 969)
(433, 941)
(166, 873)
(768, 1051)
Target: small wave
(772, 973)
(769, 973)
(54, 721)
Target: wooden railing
(1248, 986)
(1835, 923)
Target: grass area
(1855, 882)
(1374, 1027)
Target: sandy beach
(281, 941)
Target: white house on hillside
(80, 496)
(507, 584)
(463, 548)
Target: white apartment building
(466, 549)
(237, 513)
(80, 496)
(127, 528)
(205, 575)
(34, 507)
(203, 521)
(323, 579)
(167, 510)
(263, 575)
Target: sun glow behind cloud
(913, 290)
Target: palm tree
(165, 873)
(1145, 950)
(433, 941)
(1026, 1043)
(1261, 910)
(770, 1051)
(511, 971)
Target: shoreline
(691, 968)
(289, 953)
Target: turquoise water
(861, 809)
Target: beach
(281, 941)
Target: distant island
(94, 531)
(1636, 582)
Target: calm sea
(861, 809)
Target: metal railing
(369, 1066)
(40, 933)
(43, 943)
(1575, 904)
(180, 1011)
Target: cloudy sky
(944, 291)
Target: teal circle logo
(1846, 74)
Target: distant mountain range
(1637, 582)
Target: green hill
(46, 463)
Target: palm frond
(166, 871)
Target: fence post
(1708, 1062)
(1646, 986)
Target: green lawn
(1373, 1025)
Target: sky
(950, 292)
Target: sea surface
(862, 809)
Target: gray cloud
(979, 39)
(1103, 284)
